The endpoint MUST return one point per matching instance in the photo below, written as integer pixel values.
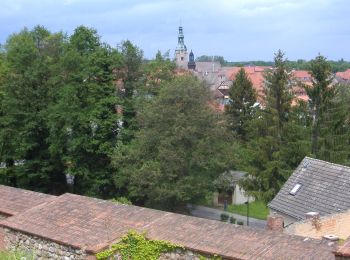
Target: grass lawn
(257, 209)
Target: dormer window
(295, 189)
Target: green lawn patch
(257, 209)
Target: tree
(269, 131)
(131, 72)
(30, 57)
(83, 121)
(240, 110)
(180, 149)
(157, 71)
(320, 94)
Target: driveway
(214, 214)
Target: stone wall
(41, 248)
(2, 233)
(178, 254)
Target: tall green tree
(131, 73)
(241, 108)
(181, 148)
(83, 121)
(268, 132)
(30, 57)
(320, 93)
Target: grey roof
(325, 188)
(208, 66)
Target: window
(295, 189)
(182, 58)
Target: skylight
(295, 189)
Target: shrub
(241, 223)
(122, 200)
(224, 217)
(232, 220)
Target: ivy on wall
(135, 246)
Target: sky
(238, 30)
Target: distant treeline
(340, 65)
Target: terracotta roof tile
(301, 74)
(345, 75)
(14, 200)
(92, 224)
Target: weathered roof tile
(325, 189)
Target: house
(229, 190)
(343, 77)
(315, 186)
(76, 227)
(256, 76)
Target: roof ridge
(319, 160)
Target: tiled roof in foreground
(14, 200)
(93, 224)
(324, 188)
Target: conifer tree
(241, 109)
(320, 93)
(267, 170)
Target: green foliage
(137, 247)
(266, 157)
(58, 109)
(241, 109)
(241, 223)
(232, 220)
(257, 209)
(224, 217)
(181, 148)
(321, 94)
(17, 255)
(121, 200)
(340, 65)
(82, 120)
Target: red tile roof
(256, 75)
(345, 75)
(14, 200)
(301, 74)
(343, 250)
(93, 224)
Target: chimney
(275, 223)
(312, 215)
(342, 252)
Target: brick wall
(335, 224)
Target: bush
(241, 223)
(232, 220)
(122, 200)
(224, 217)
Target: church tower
(181, 51)
(191, 64)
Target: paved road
(210, 213)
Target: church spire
(181, 50)
(180, 40)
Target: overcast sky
(239, 30)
